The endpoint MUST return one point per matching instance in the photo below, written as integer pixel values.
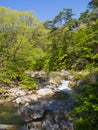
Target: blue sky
(46, 9)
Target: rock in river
(49, 114)
(44, 92)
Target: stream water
(64, 87)
(9, 115)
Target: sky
(46, 9)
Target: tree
(84, 17)
(93, 4)
(94, 15)
(22, 45)
(49, 24)
(58, 20)
(63, 17)
(67, 15)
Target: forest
(27, 44)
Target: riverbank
(56, 86)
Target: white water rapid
(64, 87)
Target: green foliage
(85, 114)
(26, 44)
(93, 4)
(28, 82)
(75, 46)
(22, 46)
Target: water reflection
(9, 116)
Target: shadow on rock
(48, 114)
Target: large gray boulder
(48, 114)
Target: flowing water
(64, 87)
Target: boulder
(55, 80)
(44, 92)
(81, 82)
(26, 99)
(72, 84)
(7, 127)
(17, 92)
(47, 114)
(33, 97)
